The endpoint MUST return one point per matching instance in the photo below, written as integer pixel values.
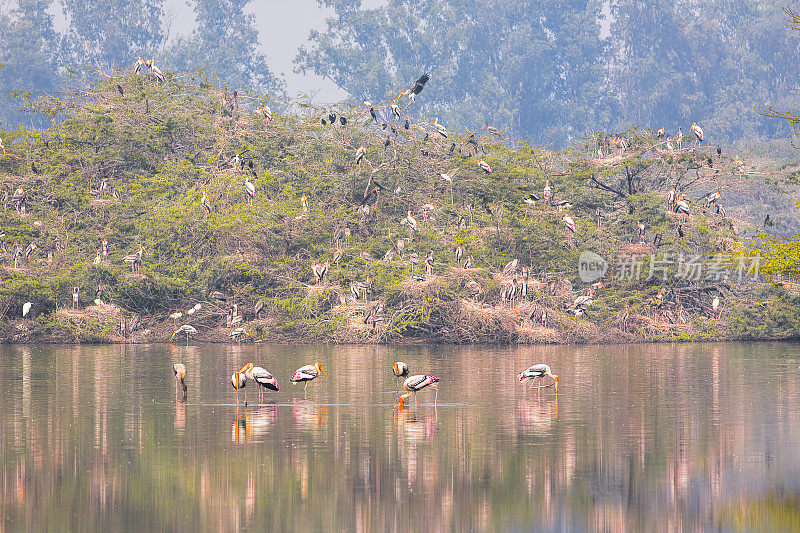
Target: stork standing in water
(538, 371)
(187, 329)
(308, 373)
(239, 381)
(400, 371)
(415, 384)
(179, 369)
(264, 379)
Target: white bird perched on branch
(441, 130)
(698, 132)
(484, 166)
(156, 71)
(320, 270)
(137, 68)
(26, 308)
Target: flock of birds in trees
(516, 284)
(308, 373)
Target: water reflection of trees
(640, 437)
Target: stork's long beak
(323, 371)
(245, 368)
(173, 334)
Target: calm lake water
(648, 438)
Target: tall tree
(225, 42)
(28, 46)
(533, 67)
(112, 33)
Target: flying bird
(420, 84)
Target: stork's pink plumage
(415, 384)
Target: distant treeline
(546, 71)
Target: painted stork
(137, 68)
(360, 154)
(4, 150)
(175, 316)
(569, 223)
(264, 379)
(250, 189)
(713, 198)
(395, 110)
(698, 132)
(135, 259)
(411, 221)
(547, 192)
(660, 135)
(155, 70)
(187, 329)
(267, 112)
(75, 296)
(448, 176)
(308, 373)
(429, 263)
(441, 130)
(490, 129)
(204, 201)
(400, 371)
(239, 381)
(468, 262)
(681, 206)
(104, 249)
(538, 371)
(419, 84)
(179, 369)
(531, 199)
(459, 253)
(415, 384)
(319, 271)
(26, 308)
(484, 166)
(715, 304)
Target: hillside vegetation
(130, 160)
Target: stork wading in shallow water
(415, 384)
(539, 371)
(239, 381)
(187, 329)
(308, 373)
(400, 370)
(179, 369)
(264, 379)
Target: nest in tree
(418, 289)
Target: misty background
(546, 71)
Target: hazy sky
(283, 26)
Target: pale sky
(283, 26)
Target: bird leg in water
(305, 391)
(436, 394)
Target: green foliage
(160, 147)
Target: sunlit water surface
(648, 438)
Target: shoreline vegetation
(183, 202)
